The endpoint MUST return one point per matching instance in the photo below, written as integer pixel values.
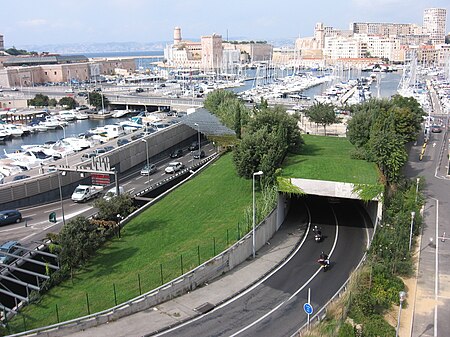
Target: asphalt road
(274, 307)
(35, 222)
(432, 306)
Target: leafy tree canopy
(322, 114)
(68, 102)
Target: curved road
(274, 307)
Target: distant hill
(104, 47)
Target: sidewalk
(184, 307)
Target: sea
(388, 87)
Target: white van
(112, 192)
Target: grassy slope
(185, 219)
(328, 158)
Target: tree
(68, 102)
(229, 109)
(388, 149)
(108, 209)
(39, 100)
(322, 114)
(78, 240)
(52, 102)
(270, 135)
(95, 99)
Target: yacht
(29, 158)
(13, 130)
(67, 115)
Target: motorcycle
(318, 237)
(325, 263)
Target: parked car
(122, 141)
(139, 90)
(20, 177)
(173, 167)
(10, 216)
(199, 155)
(177, 153)
(10, 247)
(147, 170)
(193, 146)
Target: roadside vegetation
(380, 130)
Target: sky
(43, 22)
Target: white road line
(28, 215)
(297, 291)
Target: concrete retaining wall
(44, 188)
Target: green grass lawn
(202, 213)
(328, 158)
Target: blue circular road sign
(308, 308)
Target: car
(173, 167)
(10, 247)
(99, 151)
(139, 90)
(88, 156)
(10, 216)
(108, 148)
(137, 136)
(436, 129)
(14, 89)
(199, 155)
(193, 146)
(122, 141)
(177, 153)
(147, 170)
(20, 177)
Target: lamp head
(259, 173)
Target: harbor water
(388, 87)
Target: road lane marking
(297, 291)
(436, 276)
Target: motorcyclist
(316, 230)
(323, 259)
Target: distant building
(344, 48)
(18, 72)
(2, 43)
(212, 52)
(434, 22)
(385, 29)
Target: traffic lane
(246, 309)
(349, 250)
(35, 221)
(253, 306)
(36, 217)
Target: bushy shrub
(346, 330)
(376, 326)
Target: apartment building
(434, 22)
(344, 48)
(2, 43)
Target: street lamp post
(198, 139)
(61, 197)
(148, 162)
(411, 229)
(402, 296)
(259, 173)
(64, 136)
(417, 188)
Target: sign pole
(309, 301)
